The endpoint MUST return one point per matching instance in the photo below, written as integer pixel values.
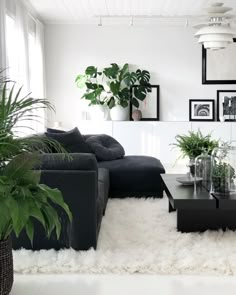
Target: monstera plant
(120, 81)
(22, 198)
(112, 85)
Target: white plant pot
(118, 113)
(98, 112)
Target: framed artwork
(226, 105)
(149, 107)
(201, 110)
(219, 66)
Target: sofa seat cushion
(105, 147)
(134, 176)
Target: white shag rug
(139, 236)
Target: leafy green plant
(22, 197)
(195, 143)
(112, 85)
(222, 176)
(92, 80)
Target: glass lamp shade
(223, 167)
(203, 170)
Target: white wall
(172, 55)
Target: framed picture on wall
(226, 105)
(149, 107)
(219, 66)
(201, 110)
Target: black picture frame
(202, 103)
(220, 106)
(156, 100)
(205, 80)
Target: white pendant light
(216, 33)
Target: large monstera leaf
(130, 78)
(112, 71)
(143, 76)
(115, 87)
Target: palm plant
(22, 198)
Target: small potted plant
(22, 198)
(194, 144)
(222, 176)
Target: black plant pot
(6, 267)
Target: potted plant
(111, 87)
(194, 144)
(222, 176)
(22, 198)
(95, 93)
(120, 81)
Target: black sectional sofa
(86, 184)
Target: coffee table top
(183, 197)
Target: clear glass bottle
(203, 171)
(223, 168)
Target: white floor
(71, 284)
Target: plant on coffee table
(194, 144)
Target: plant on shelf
(120, 81)
(92, 79)
(22, 198)
(112, 85)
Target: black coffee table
(200, 211)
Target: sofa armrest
(76, 161)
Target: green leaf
(52, 220)
(115, 87)
(29, 228)
(56, 197)
(80, 81)
(111, 72)
(124, 69)
(143, 76)
(111, 102)
(20, 165)
(140, 92)
(125, 94)
(91, 71)
(134, 102)
(130, 78)
(92, 86)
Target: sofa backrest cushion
(105, 147)
(72, 141)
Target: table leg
(171, 208)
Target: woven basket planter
(6, 267)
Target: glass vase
(203, 171)
(223, 167)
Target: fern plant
(22, 197)
(195, 143)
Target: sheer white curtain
(25, 53)
(2, 34)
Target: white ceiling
(85, 11)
